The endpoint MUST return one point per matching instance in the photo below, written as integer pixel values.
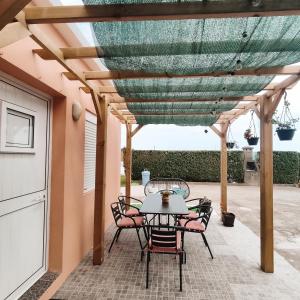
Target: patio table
(153, 205)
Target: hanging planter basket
(250, 136)
(230, 145)
(252, 141)
(285, 134)
(286, 123)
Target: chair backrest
(204, 205)
(205, 216)
(179, 186)
(115, 209)
(163, 237)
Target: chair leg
(206, 244)
(147, 274)
(145, 233)
(138, 234)
(180, 269)
(115, 236)
(118, 235)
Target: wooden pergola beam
(216, 130)
(128, 162)
(9, 9)
(160, 11)
(69, 53)
(223, 168)
(162, 50)
(124, 118)
(136, 130)
(108, 89)
(106, 75)
(153, 114)
(100, 185)
(225, 99)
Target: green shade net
(187, 47)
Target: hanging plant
(285, 123)
(230, 144)
(250, 135)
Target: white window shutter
(90, 151)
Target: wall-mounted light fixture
(76, 110)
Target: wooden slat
(246, 98)
(105, 89)
(105, 75)
(69, 53)
(9, 9)
(100, 184)
(266, 187)
(207, 47)
(166, 113)
(160, 11)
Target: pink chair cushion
(132, 212)
(192, 225)
(192, 215)
(128, 222)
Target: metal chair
(195, 210)
(128, 209)
(198, 225)
(123, 221)
(164, 240)
(176, 184)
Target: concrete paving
(234, 273)
(243, 201)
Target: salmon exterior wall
(71, 210)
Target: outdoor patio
(234, 273)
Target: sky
(172, 137)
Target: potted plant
(230, 144)
(285, 123)
(251, 139)
(250, 136)
(228, 219)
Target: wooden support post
(99, 206)
(223, 168)
(128, 160)
(266, 187)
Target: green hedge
(201, 166)
(286, 166)
(204, 166)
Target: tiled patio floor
(233, 274)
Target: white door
(24, 153)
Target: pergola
(150, 88)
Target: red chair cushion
(128, 222)
(132, 212)
(192, 225)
